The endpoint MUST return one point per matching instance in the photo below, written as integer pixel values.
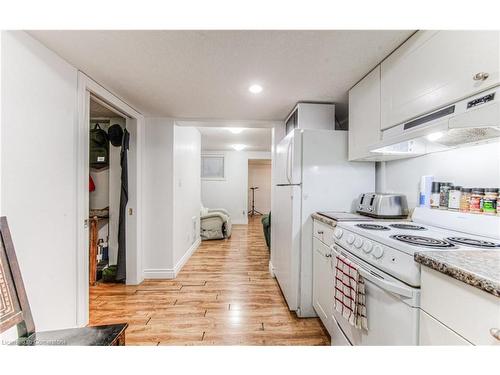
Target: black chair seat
(104, 335)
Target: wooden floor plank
(224, 295)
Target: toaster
(382, 205)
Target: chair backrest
(14, 306)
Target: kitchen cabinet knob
(481, 76)
(328, 255)
(320, 232)
(495, 332)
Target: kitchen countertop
(479, 268)
(324, 219)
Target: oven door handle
(377, 280)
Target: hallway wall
(39, 174)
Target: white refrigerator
(311, 174)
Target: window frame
(214, 155)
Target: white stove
(391, 245)
(383, 252)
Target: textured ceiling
(206, 74)
(221, 139)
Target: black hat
(115, 135)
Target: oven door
(392, 308)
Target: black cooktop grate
(474, 242)
(373, 226)
(407, 226)
(423, 241)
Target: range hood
(469, 121)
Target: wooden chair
(15, 309)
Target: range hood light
(435, 136)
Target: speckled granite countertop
(479, 268)
(324, 219)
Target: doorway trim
(86, 88)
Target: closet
(105, 144)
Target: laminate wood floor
(224, 295)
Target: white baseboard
(186, 256)
(171, 273)
(161, 273)
(271, 269)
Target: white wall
(259, 174)
(232, 192)
(171, 198)
(38, 174)
(473, 166)
(158, 198)
(187, 193)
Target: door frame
(86, 88)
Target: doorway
(89, 93)
(259, 186)
(106, 137)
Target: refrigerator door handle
(288, 164)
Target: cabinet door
(435, 68)
(322, 283)
(432, 332)
(364, 115)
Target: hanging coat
(121, 271)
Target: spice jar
(490, 201)
(444, 195)
(498, 206)
(465, 199)
(476, 200)
(454, 198)
(435, 194)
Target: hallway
(223, 296)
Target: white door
(323, 283)
(287, 245)
(435, 68)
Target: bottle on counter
(454, 198)
(476, 200)
(434, 201)
(444, 195)
(490, 198)
(425, 190)
(465, 199)
(498, 205)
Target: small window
(213, 167)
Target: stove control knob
(338, 232)
(367, 247)
(350, 239)
(358, 242)
(377, 252)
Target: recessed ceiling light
(239, 147)
(434, 136)
(255, 89)
(235, 130)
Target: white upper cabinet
(364, 115)
(435, 68)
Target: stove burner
(407, 226)
(372, 226)
(423, 241)
(474, 242)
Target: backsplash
(473, 166)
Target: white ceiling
(221, 139)
(206, 74)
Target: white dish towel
(350, 298)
